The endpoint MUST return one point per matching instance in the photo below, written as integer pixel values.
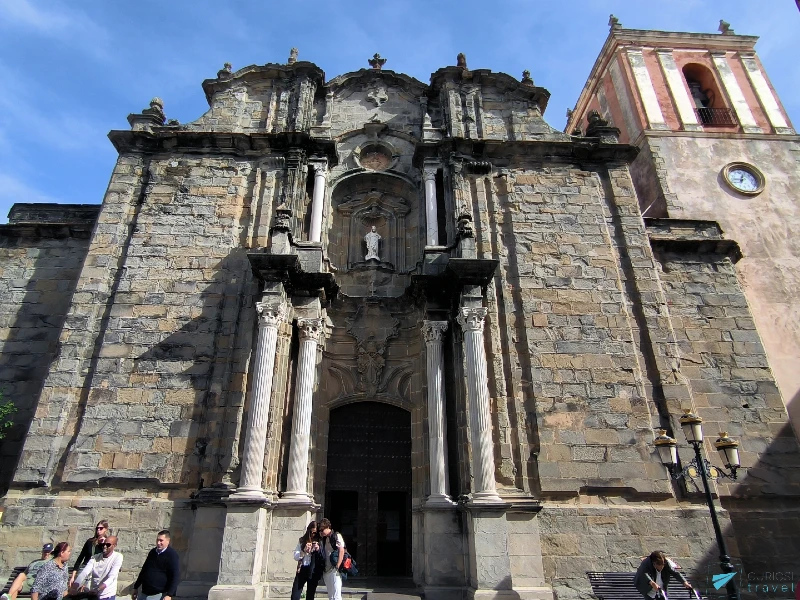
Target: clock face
(743, 180)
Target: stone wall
(41, 253)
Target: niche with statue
(374, 239)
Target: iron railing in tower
(716, 116)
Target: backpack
(348, 566)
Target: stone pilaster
(297, 482)
(484, 487)
(269, 318)
(735, 93)
(318, 199)
(431, 217)
(242, 558)
(647, 92)
(433, 331)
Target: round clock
(743, 178)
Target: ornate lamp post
(729, 452)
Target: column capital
(429, 170)
(320, 167)
(309, 329)
(270, 315)
(471, 319)
(433, 331)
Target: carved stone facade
(416, 309)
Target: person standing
(52, 579)
(160, 572)
(655, 573)
(24, 581)
(333, 550)
(91, 547)
(99, 577)
(310, 563)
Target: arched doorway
(368, 485)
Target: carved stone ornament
(461, 60)
(309, 329)
(376, 62)
(433, 331)
(471, 319)
(378, 95)
(269, 315)
(725, 28)
(526, 78)
(464, 225)
(372, 327)
(613, 23)
(292, 56)
(225, 71)
(283, 218)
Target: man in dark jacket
(160, 572)
(654, 574)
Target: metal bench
(11, 578)
(619, 586)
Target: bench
(11, 578)
(619, 586)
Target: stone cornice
(690, 236)
(504, 82)
(266, 72)
(36, 231)
(173, 139)
(576, 151)
(413, 86)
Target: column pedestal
(242, 561)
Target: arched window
(709, 104)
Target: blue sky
(72, 71)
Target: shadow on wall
(40, 267)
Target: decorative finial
(613, 23)
(292, 56)
(461, 60)
(156, 110)
(376, 62)
(569, 113)
(526, 78)
(725, 27)
(225, 71)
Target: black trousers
(305, 576)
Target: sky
(71, 71)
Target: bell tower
(715, 145)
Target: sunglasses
(106, 545)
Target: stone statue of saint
(372, 239)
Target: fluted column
(433, 331)
(431, 210)
(484, 489)
(255, 440)
(318, 199)
(297, 481)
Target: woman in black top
(91, 547)
(310, 563)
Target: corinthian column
(471, 321)
(431, 217)
(269, 319)
(433, 331)
(297, 482)
(318, 199)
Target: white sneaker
(4, 597)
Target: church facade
(416, 309)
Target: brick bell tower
(715, 145)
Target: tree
(6, 410)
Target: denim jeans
(143, 596)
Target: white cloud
(65, 24)
(13, 189)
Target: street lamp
(728, 449)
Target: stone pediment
(258, 74)
(413, 87)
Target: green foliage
(6, 410)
